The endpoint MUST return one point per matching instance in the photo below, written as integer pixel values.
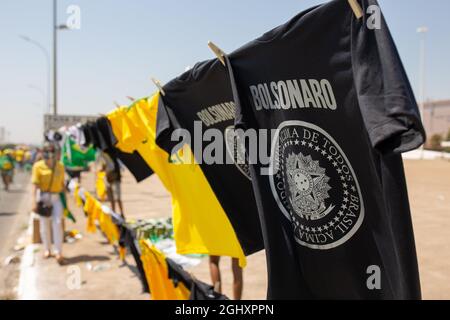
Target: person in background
(238, 277)
(113, 180)
(47, 186)
(7, 168)
(20, 157)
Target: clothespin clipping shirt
(159, 86)
(356, 7)
(217, 51)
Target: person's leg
(46, 236)
(4, 181)
(215, 273)
(118, 196)
(111, 198)
(238, 279)
(57, 216)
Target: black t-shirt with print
(333, 199)
(200, 101)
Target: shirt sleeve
(35, 176)
(166, 124)
(386, 100)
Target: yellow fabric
(91, 209)
(7, 166)
(200, 223)
(157, 274)
(100, 185)
(78, 200)
(19, 155)
(42, 175)
(108, 227)
(94, 211)
(182, 292)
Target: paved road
(10, 203)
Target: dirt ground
(429, 194)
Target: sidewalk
(14, 206)
(103, 276)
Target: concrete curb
(27, 280)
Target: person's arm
(34, 189)
(35, 178)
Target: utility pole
(422, 31)
(55, 58)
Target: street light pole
(40, 91)
(55, 59)
(423, 33)
(47, 58)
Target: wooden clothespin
(218, 52)
(131, 98)
(116, 104)
(159, 86)
(356, 7)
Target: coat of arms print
(315, 186)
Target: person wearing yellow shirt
(6, 168)
(47, 185)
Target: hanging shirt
(106, 141)
(157, 273)
(108, 227)
(42, 177)
(332, 197)
(199, 100)
(100, 186)
(74, 157)
(200, 223)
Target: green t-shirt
(76, 158)
(6, 163)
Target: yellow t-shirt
(19, 155)
(200, 223)
(100, 186)
(42, 176)
(157, 274)
(108, 227)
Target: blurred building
(436, 118)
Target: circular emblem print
(236, 150)
(315, 186)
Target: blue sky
(122, 43)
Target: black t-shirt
(104, 139)
(333, 199)
(199, 101)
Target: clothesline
(160, 276)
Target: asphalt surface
(10, 212)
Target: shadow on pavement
(85, 258)
(16, 191)
(7, 214)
